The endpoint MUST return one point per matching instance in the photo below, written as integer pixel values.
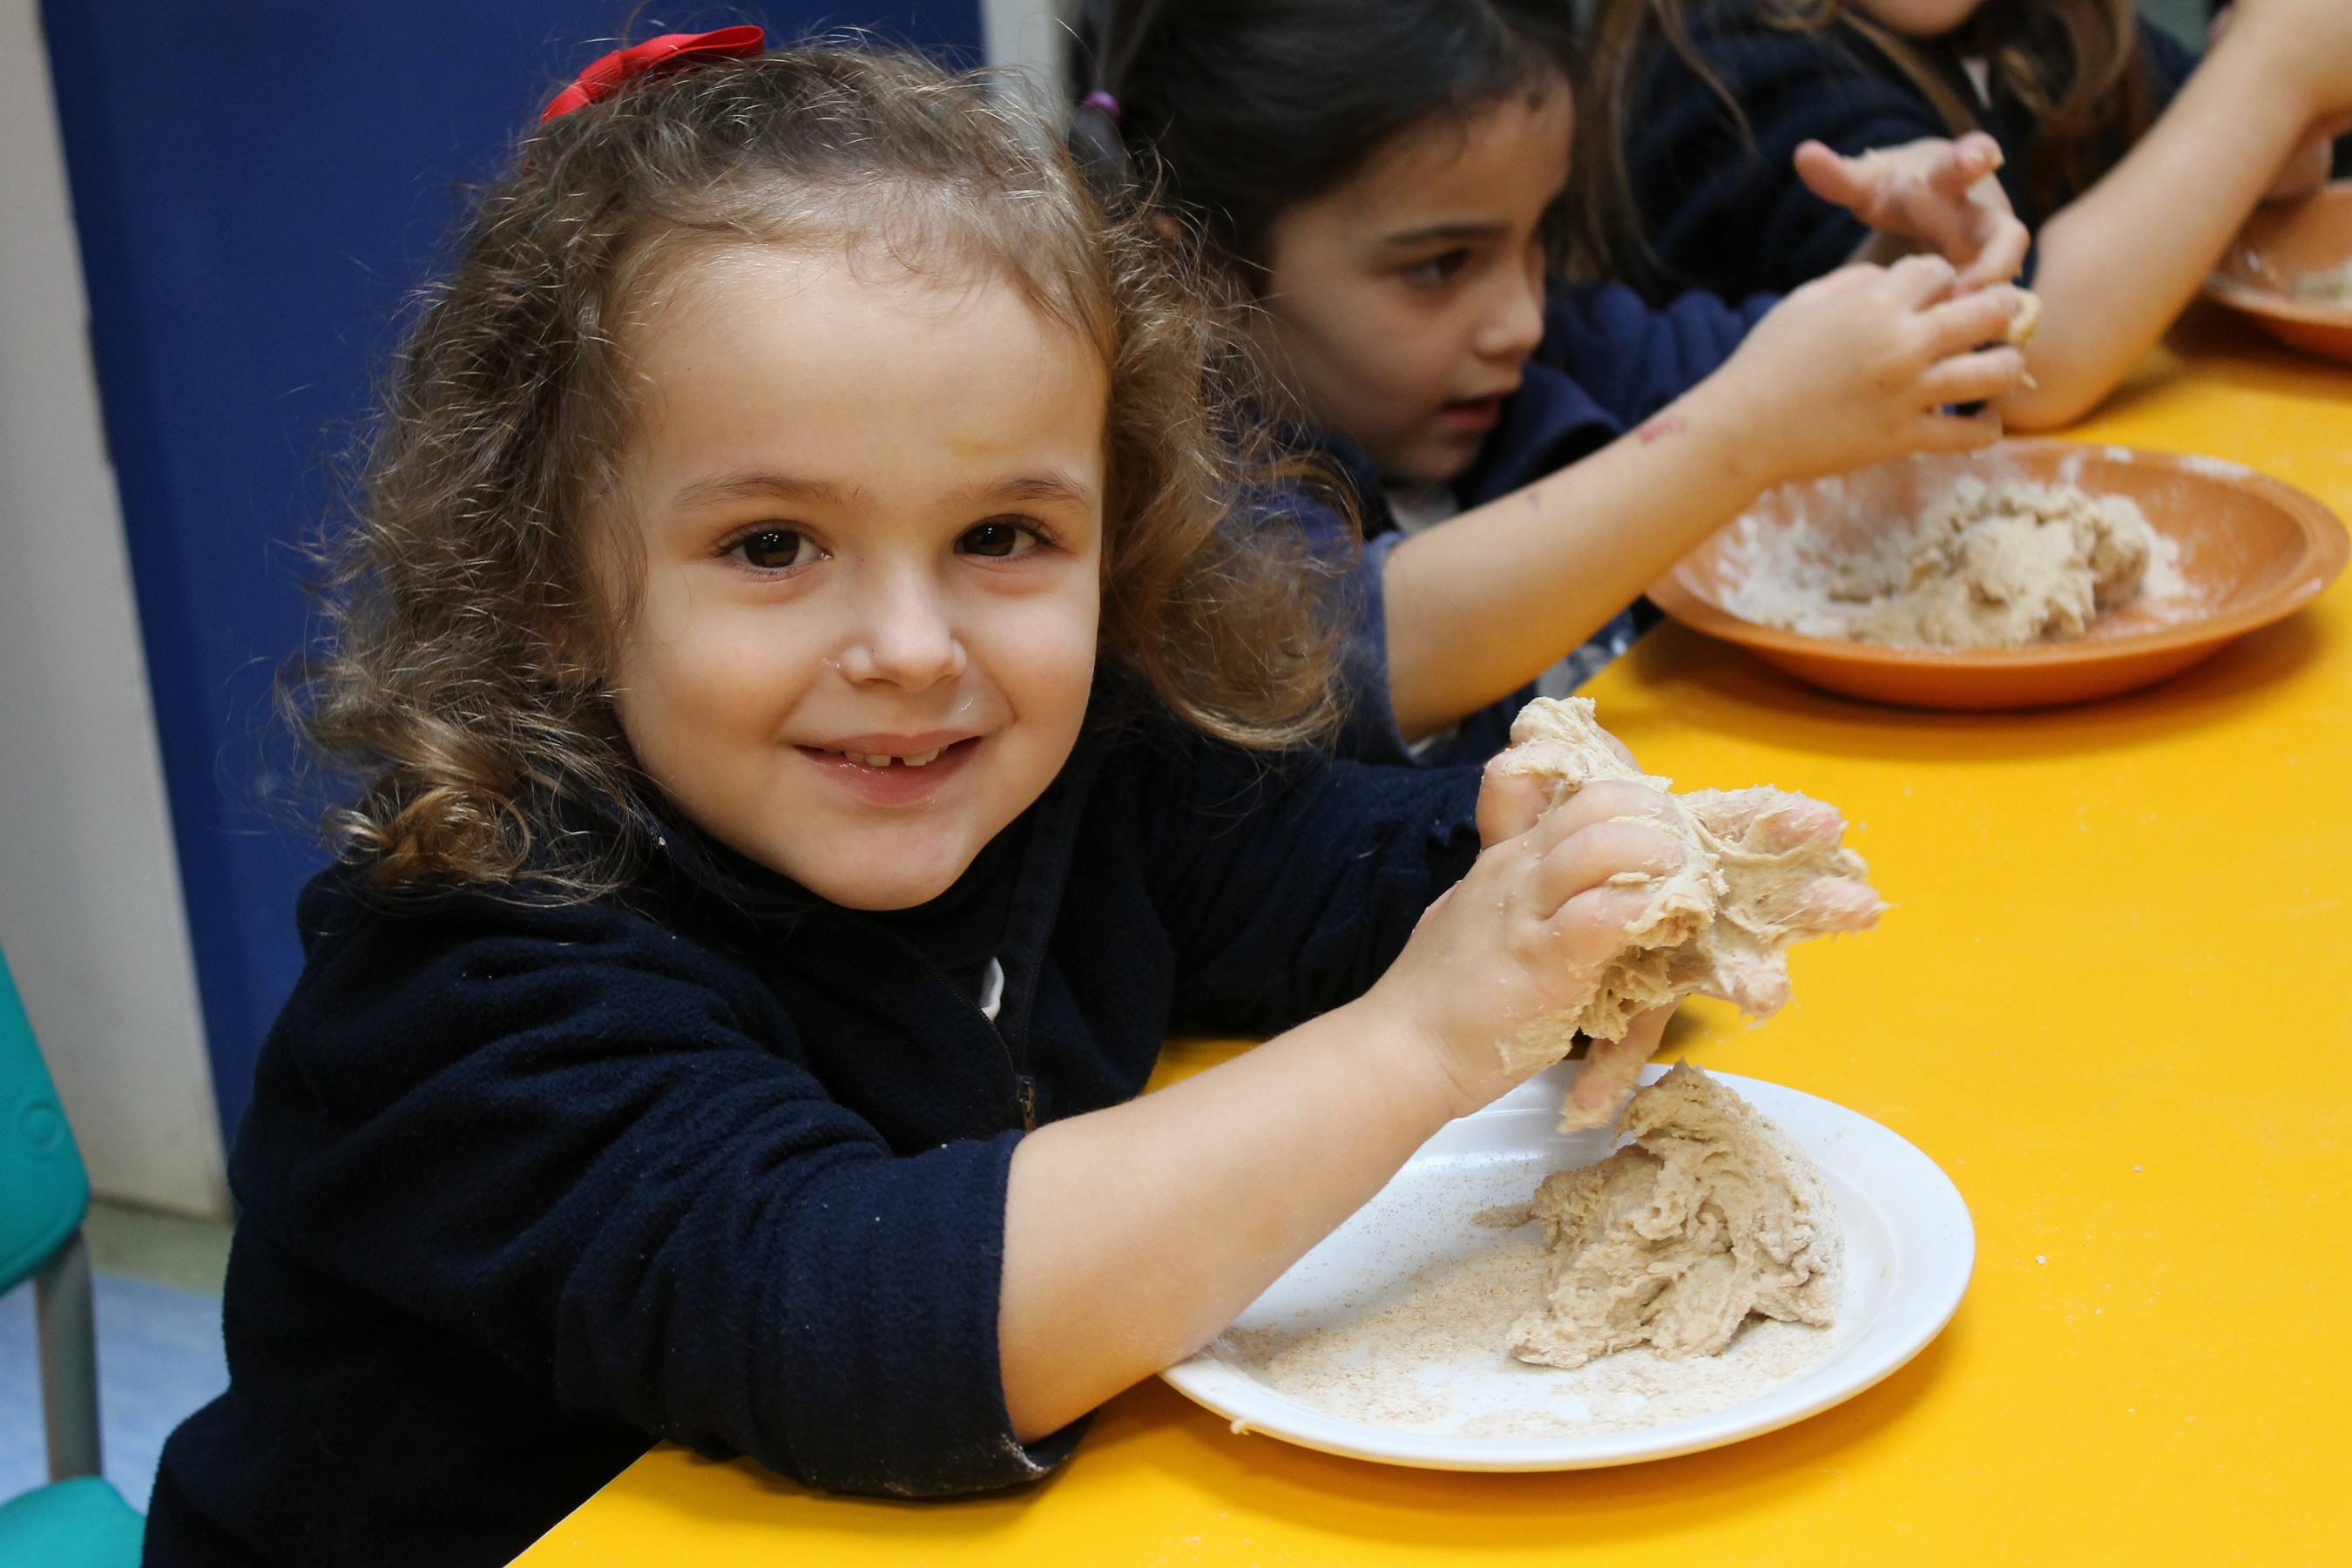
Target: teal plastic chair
(77, 1520)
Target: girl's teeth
(882, 759)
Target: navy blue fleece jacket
(1720, 201)
(526, 1189)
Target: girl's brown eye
(773, 549)
(1437, 269)
(996, 539)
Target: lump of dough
(2332, 287)
(1721, 923)
(1710, 1215)
(1986, 565)
(2006, 565)
(2026, 319)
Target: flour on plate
(2332, 287)
(1404, 1366)
(1987, 565)
(1444, 1352)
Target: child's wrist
(1729, 437)
(1423, 1061)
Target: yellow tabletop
(2114, 999)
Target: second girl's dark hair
(1229, 110)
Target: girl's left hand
(1937, 193)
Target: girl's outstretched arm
(1135, 1234)
(2119, 262)
(1850, 370)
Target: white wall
(90, 914)
(1025, 36)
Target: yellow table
(2114, 999)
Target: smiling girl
(1385, 183)
(815, 730)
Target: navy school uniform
(1607, 362)
(525, 1189)
(1720, 201)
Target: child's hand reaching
(1527, 933)
(1856, 367)
(1932, 193)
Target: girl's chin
(850, 880)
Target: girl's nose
(904, 636)
(1513, 324)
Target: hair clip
(1103, 105)
(605, 76)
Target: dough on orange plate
(1720, 924)
(1709, 1215)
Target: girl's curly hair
(460, 684)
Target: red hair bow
(606, 75)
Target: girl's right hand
(1527, 933)
(1856, 367)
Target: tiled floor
(158, 1348)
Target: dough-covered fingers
(1596, 925)
(1972, 377)
(1971, 321)
(1919, 281)
(1971, 158)
(1842, 903)
(1509, 804)
(1603, 800)
(1599, 856)
(2001, 251)
(1608, 1073)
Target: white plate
(1909, 1249)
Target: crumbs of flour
(1434, 1359)
(2332, 287)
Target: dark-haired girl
(1729, 137)
(1381, 179)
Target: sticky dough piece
(1720, 924)
(1709, 1215)
(2026, 321)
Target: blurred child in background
(1734, 141)
(1384, 183)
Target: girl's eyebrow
(1039, 487)
(778, 486)
(1456, 231)
(1047, 486)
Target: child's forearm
(2122, 260)
(1132, 1235)
(1480, 606)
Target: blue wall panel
(257, 184)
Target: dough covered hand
(1934, 193)
(1762, 868)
